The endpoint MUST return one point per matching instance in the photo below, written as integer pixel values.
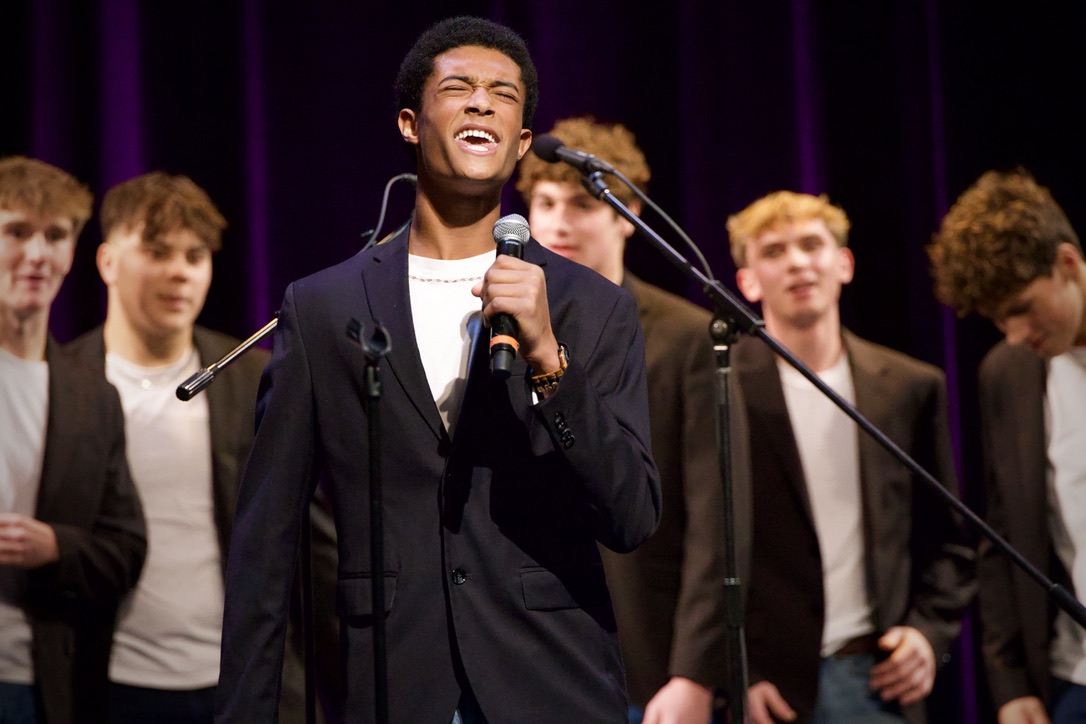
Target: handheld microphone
(511, 233)
(552, 150)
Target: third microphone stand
(739, 319)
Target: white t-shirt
(170, 627)
(446, 318)
(829, 451)
(24, 413)
(1065, 412)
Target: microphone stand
(379, 345)
(195, 384)
(725, 334)
(738, 316)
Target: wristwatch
(548, 382)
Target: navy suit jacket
(492, 574)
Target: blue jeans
(1068, 702)
(844, 696)
(17, 704)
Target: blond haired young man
(859, 575)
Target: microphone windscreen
(546, 147)
(512, 225)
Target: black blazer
(87, 496)
(919, 567)
(492, 572)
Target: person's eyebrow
(492, 84)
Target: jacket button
(459, 576)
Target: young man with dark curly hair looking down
(1007, 251)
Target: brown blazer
(919, 568)
(669, 593)
(1015, 613)
(231, 401)
(87, 496)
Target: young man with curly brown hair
(1007, 250)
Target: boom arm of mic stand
(195, 385)
(749, 323)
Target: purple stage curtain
(284, 113)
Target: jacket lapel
(384, 277)
(765, 400)
(67, 413)
(1027, 402)
(872, 403)
(224, 421)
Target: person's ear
(1069, 261)
(846, 265)
(408, 123)
(748, 284)
(525, 142)
(106, 259)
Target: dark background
(284, 113)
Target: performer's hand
(908, 674)
(1024, 710)
(680, 701)
(519, 289)
(767, 705)
(26, 542)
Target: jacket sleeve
(1002, 635)
(700, 623)
(598, 422)
(276, 486)
(944, 572)
(101, 562)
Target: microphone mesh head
(513, 225)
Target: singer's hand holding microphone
(514, 295)
(514, 292)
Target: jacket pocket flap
(561, 588)
(354, 596)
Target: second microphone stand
(741, 319)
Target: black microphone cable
(373, 233)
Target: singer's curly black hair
(459, 32)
